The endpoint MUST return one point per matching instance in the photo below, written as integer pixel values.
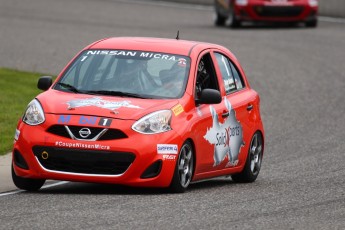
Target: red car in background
(237, 11)
(142, 112)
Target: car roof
(163, 45)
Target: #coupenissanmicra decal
(226, 137)
(99, 102)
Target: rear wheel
(183, 169)
(26, 183)
(253, 163)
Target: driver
(173, 79)
(202, 80)
(131, 74)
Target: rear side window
(231, 78)
(237, 77)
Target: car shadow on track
(106, 189)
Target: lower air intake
(83, 161)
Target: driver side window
(206, 76)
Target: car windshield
(127, 73)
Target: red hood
(57, 102)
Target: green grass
(17, 90)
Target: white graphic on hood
(99, 102)
(227, 138)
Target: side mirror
(44, 82)
(209, 96)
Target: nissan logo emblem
(84, 132)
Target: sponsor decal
(137, 54)
(182, 62)
(84, 120)
(177, 109)
(226, 137)
(112, 52)
(16, 135)
(81, 145)
(64, 119)
(167, 149)
(169, 157)
(87, 120)
(158, 56)
(99, 102)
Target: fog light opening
(153, 170)
(19, 160)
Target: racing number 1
(104, 122)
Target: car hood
(57, 102)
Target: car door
(206, 136)
(240, 102)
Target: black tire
(235, 23)
(253, 163)
(26, 183)
(184, 169)
(219, 20)
(311, 24)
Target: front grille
(278, 11)
(110, 134)
(83, 161)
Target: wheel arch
(258, 130)
(190, 140)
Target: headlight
(241, 2)
(156, 122)
(313, 3)
(34, 114)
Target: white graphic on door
(226, 137)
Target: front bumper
(268, 12)
(133, 161)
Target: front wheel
(219, 19)
(253, 163)
(184, 169)
(26, 183)
(233, 22)
(311, 24)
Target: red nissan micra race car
(142, 112)
(238, 11)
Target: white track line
(11, 193)
(45, 186)
(331, 19)
(55, 184)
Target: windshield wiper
(69, 87)
(115, 93)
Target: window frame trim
(236, 68)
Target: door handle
(250, 107)
(225, 114)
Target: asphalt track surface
(298, 72)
